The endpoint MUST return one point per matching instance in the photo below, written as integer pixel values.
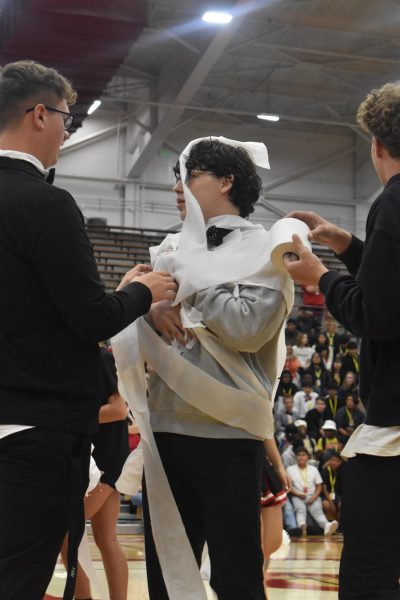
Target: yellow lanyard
(304, 475)
(318, 374)
(333, 406)
(356, 364)
(350, 416)
(331, 337)
(332, 479)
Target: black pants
(216, 484)
(370, 564)
(43, 477)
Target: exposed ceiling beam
(393, 62)
(309, 168)
(194, 80)
(232, 111)
(297, 18)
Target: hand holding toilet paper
(291, 252)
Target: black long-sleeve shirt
(53, 307)
(367, 303)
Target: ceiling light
(94, 107)
(221, 18)
(266, 117)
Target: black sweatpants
(43, 478)
(370, 564)
(216, 484)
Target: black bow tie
(215, 235)
(49, 176)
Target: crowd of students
(316, 409)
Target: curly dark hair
(379, 115)
(223, 159)
(25, 83)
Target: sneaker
(331, 527)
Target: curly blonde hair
(379, 115)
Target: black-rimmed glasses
(191, 172)
(68, 118)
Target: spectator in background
(316, 417)
(332, 486)
(304, 400)
(344, 339)
(307, 441)
(332, 336)
(336, 370)
(291, 332)
(320, 373)
(306, 323)
(328, 441)
(326, 356)
(286, 387)
(349, 386)
(351, 360)
(314, 301)
(292, 364)
(332, 400)
(348, 418)
(294, 440)
(286, 416)
(305, 488)
(303, 351)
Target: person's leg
(300, 510)
(35, 495)
(104, 525)
(272, 526)
(317, 513)
(228, 475)
(175, 452)
(370, 563)
(92, 504)
(289, 517)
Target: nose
(66, 135)
(178, 186)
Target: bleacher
(118, 249)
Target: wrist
(341, 241)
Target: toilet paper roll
(281, 239)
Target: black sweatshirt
(53, 307)
(367, 303)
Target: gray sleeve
(244, 317)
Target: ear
(377, 147)
(39, 116)
(227, 183)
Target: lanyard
(350, 417)
(356, 364)
(333, 406)
(332, 479)
(304, 475)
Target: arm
(367, 304)
(317, 493)
(115, 409)
(62, 255)
(273, 454)
(244, 317)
